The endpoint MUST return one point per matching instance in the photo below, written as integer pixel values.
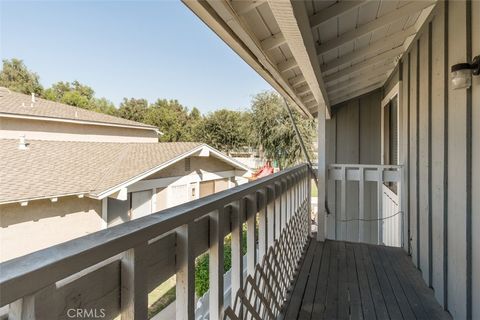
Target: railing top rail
(27, 274)
(366, 166)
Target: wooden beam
(216, 263)
(380, 59)
(273, 42)
(286, 65)
(243, 6)
(134, 302)
(348, 96)
(384, 55)
(382, 44)
(354, 81)
(358, 86)
(334, 11)
(378, 23)
(303, 89)
(185, 270)
(295, 81)
(376, 69)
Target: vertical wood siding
(441, 130)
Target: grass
(314, 190)
(161, 297)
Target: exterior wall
(209, 164)
(353, 136)
(441, 132)
(11, 128)
(44, 223)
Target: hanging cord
(300, 139)
(304, 150)
(369, 220)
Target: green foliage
(224, 129)
(273, 129)
(173, 120)
(133, 109)
(202, 265)
(15, 76)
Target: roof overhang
(201, 150)
(76, 121)
(317, 53)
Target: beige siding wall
(42, 224)
(209, 164)
(62, 131)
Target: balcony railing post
(380, 204)
(270, 191)
(251, 233)
(361, 204)
(278, 209)
(284, 203)
(237, 216)
(216, 266)
(134, 283)
(309, 201)
(262, 223)
(343, 206)
(22, 309)
(185, 270)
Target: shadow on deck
(342, 280)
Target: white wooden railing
(111, 272)
(389, 217)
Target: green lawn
(161, 297)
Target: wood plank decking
(342, 280)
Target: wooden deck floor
(342, 280)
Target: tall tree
(171, 118)
(15, 76)
(133, 109)
(224, 129)
(273, 129)
(74, 94)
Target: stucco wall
(44, 223)
(62, 131)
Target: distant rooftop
(14, 104)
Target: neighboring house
(66, 172)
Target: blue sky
(141, 49)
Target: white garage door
(177, 195)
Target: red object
(264, 171)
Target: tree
(274, 132)
(74, 94)
(133, 109)
(15, 76)
(224, 130)
(172, 119)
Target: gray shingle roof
(14, 103)
(56, 168)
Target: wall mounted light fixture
(462, 73)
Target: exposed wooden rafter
(378, 23)
(243, 6)
(373, 70)
(389, 54)
(347, 96)
(273, 42)
(334, 11)
(287, 65)
(381, 44)
(356, 80)
(296, 81)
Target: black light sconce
(462, 73)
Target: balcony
(294, 277)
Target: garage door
(207, 188)
(141, 203)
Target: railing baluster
(22, 309)
(270, 191)
(185, 269)
(343, 205)
(379, 204)
(238, 214)
(309, 201)
(216, 263)
(278, 209)
(251, 233)
(284, 203)
(134, 283)
(361, 204)
(262, 224)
